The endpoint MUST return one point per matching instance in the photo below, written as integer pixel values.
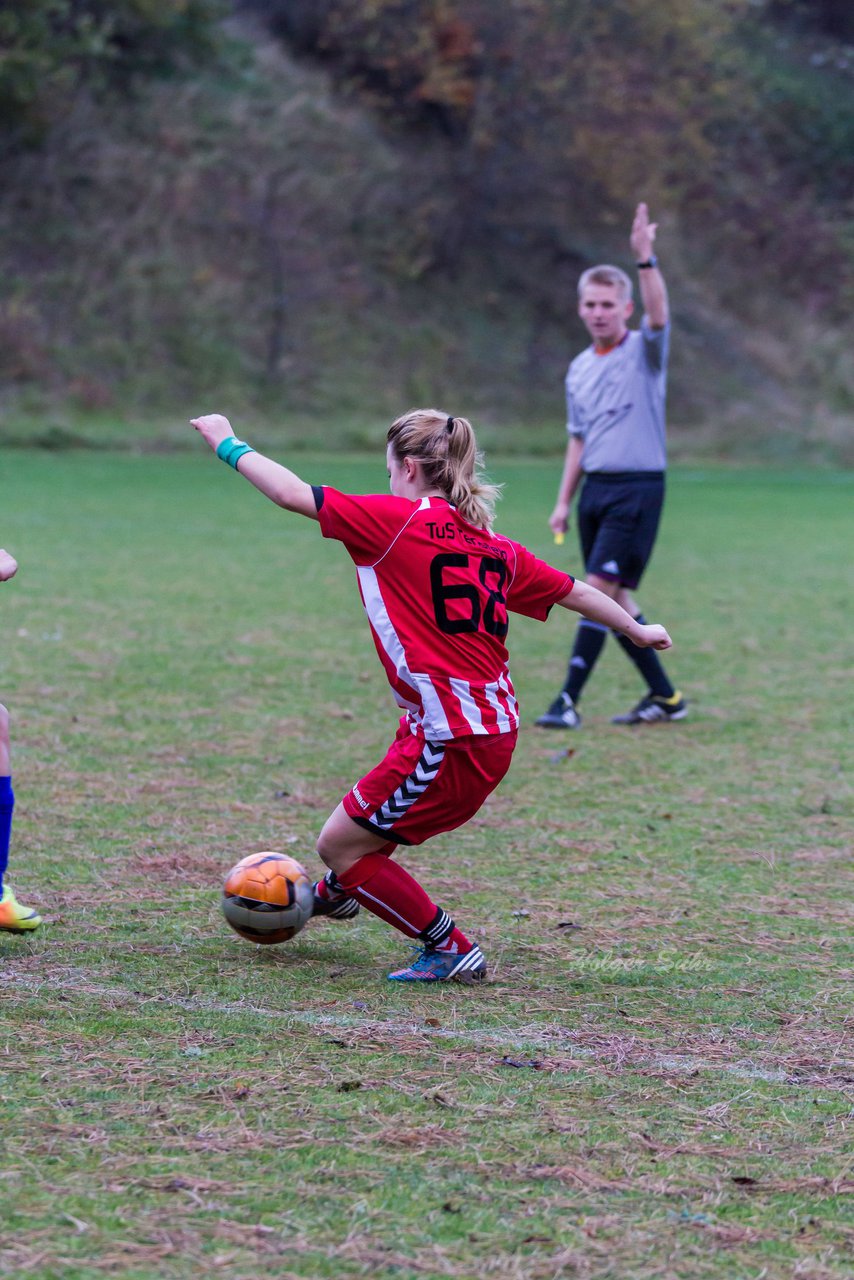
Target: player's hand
(642, 236)
(8, 566)
(651, 636)
(213, 428)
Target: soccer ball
(267, 897)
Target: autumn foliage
(184, 201)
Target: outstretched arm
(276, 482)
(595, 605)
(653, 290)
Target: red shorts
(424, 788)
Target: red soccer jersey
(437, 590)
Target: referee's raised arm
(653, 290)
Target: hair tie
(449, 425)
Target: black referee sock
(589, 640)
(648, 664)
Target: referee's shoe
(560, 715)
(653, 709)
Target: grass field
(656, 1082)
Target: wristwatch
(651, 261)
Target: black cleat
(342, 909)
(653, 710)
(560, 715)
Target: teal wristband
(231, 450)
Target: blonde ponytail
(447, 450)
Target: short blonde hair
(447, 450)
(609, 275)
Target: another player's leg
(590, 636)
(14, 916)
(563, 713)
(623, 550)
(661, 702)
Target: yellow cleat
(15, 918)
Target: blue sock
(7, 804)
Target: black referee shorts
(618, 515)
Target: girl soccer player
(437, 585)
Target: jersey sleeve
(656, 345)
(535, 586)
(365, 523)
(576, 424)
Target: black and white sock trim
(439, 930)
(334, 886)
(338, 905)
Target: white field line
(516, 1040)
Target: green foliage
(830, 17)
(575, 105)
(408, 221)
(51, 50)
(807, 121)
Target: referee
(615, 395)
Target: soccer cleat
(560, 715)
(653, 709)
(342, 909)
(443, 966)
(15, 918)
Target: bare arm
(559, 519)
(595, 605)
(276, 482)
(8, 566)
(653, 290)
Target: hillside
(350, 208)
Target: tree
(51, 50)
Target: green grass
(657, 1080)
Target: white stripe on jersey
(435, 722)
(504, 721)
(507, 688)
(388, 637)
(470, 709)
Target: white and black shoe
(340, 909)
(560, 715)
(653, 709)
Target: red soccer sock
(387, 891)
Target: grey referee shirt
(615, 402)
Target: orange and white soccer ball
(267, 897)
